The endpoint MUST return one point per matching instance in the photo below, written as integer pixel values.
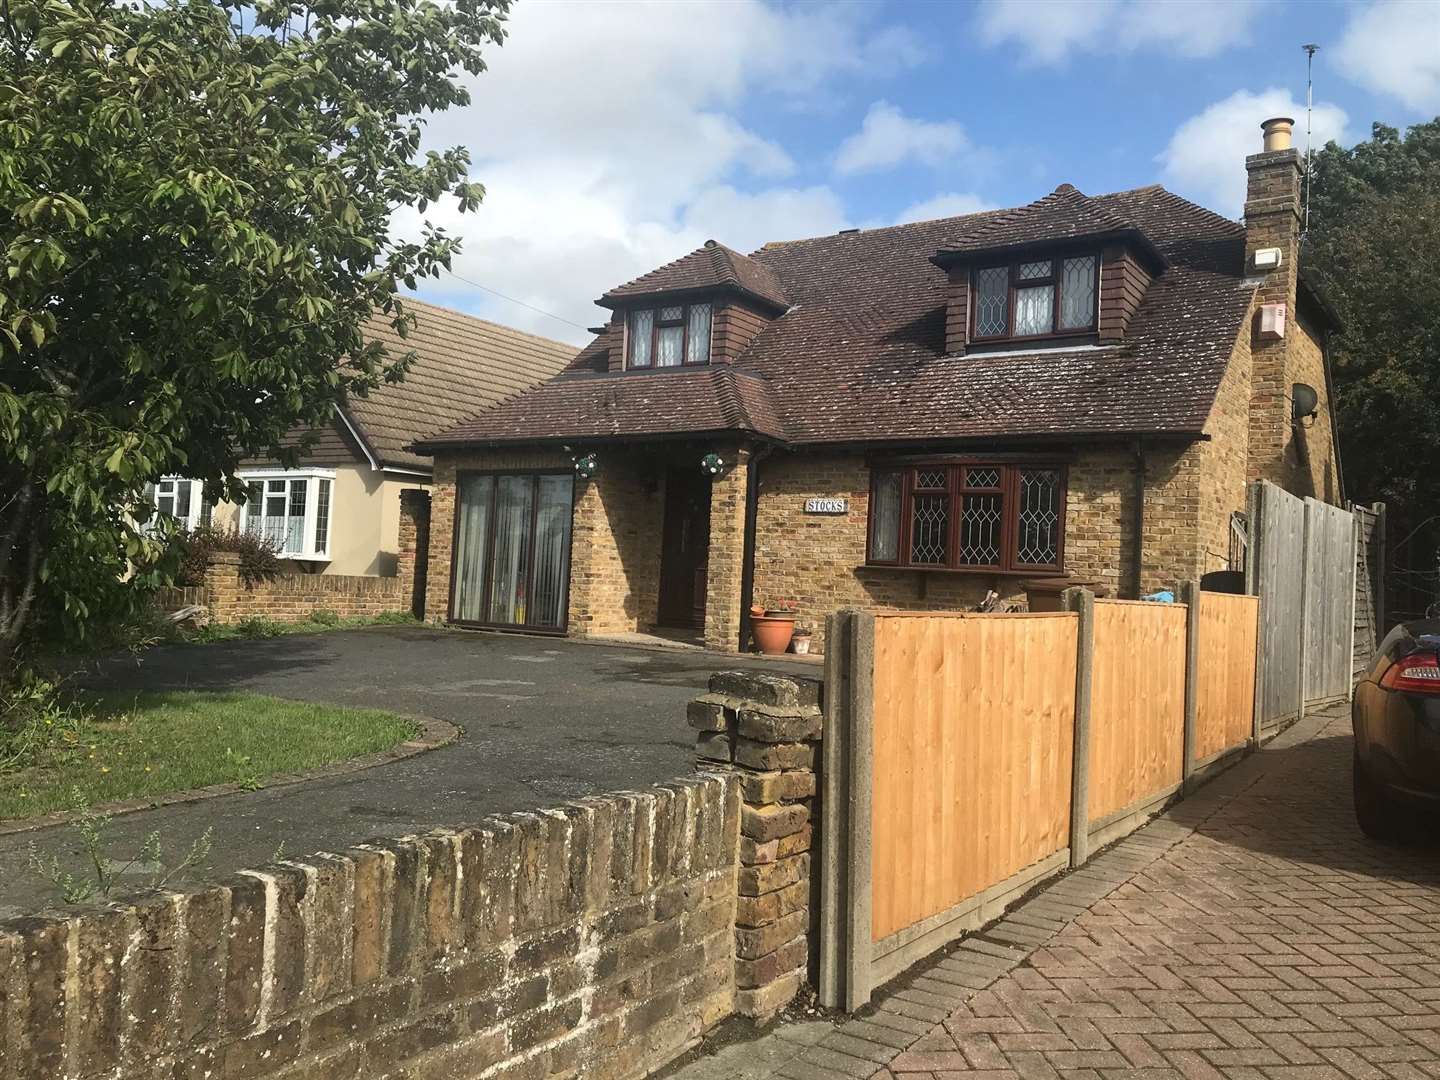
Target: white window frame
(311, 478)
(192, 513)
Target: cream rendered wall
(364, 522)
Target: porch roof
(630, 404)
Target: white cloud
(1393, 47)
(607, 138)
(946, 204)
(1050, 31)
(1205, 158)
(887, 137)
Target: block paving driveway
(1251, 933)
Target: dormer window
(672, 336)
(1030, 298)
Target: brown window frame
(957, 488)
(1015, 283)
(655, 327)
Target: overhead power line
(513, 300)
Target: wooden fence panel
(1279, 535)
(1369, 588)
(973, 733)
(1137, 708)
(1225, 673)
(1329, 601)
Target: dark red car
(1396, 716)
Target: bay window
(673, 336)
(1001, 517)
(1030, 297)
(292, 510)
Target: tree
(196, 198)
(1374, 249)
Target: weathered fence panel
(1278, 571)
(972, 751)
(1137, 706)
(1370, 625)
(1328, 661)
(1225, 675)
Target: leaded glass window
(1077, 293)
(669, 336)
(992, 301)
(1035, 297)
(999, 517)
(929, 529)
(642, 328)
(697, 346)
(1038, 541)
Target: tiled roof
(691, 400)
(711, 266)
(859, 355)
(462, 366)
(1064, 214)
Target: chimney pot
(1277, 132)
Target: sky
(613, 136)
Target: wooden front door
(685, 551)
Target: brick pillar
(767, 728)
(222, 585)
(1272, 220)
(414, 548)
(727, 553)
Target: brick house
(902, 417)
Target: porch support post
(727, 550)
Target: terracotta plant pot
(772, 632)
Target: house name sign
(827, 506)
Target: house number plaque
(826, 506)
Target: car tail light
(1418, 673)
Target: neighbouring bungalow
(337, 509)
(905, 417)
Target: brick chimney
(1272, 255)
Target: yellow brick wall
(816, 561)
(615, 542)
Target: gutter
(747, 557)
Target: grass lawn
(155, 743)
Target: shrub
(259, 558)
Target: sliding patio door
(512, 550)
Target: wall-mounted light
(586, 465)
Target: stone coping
(433, 734)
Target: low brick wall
(598, 939)
(288, 597)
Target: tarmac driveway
(544, 720)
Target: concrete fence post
(1190, 595)
(861, 751)
(833, 840)
(1082, 602)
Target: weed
(324, 617)
(104, 872)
